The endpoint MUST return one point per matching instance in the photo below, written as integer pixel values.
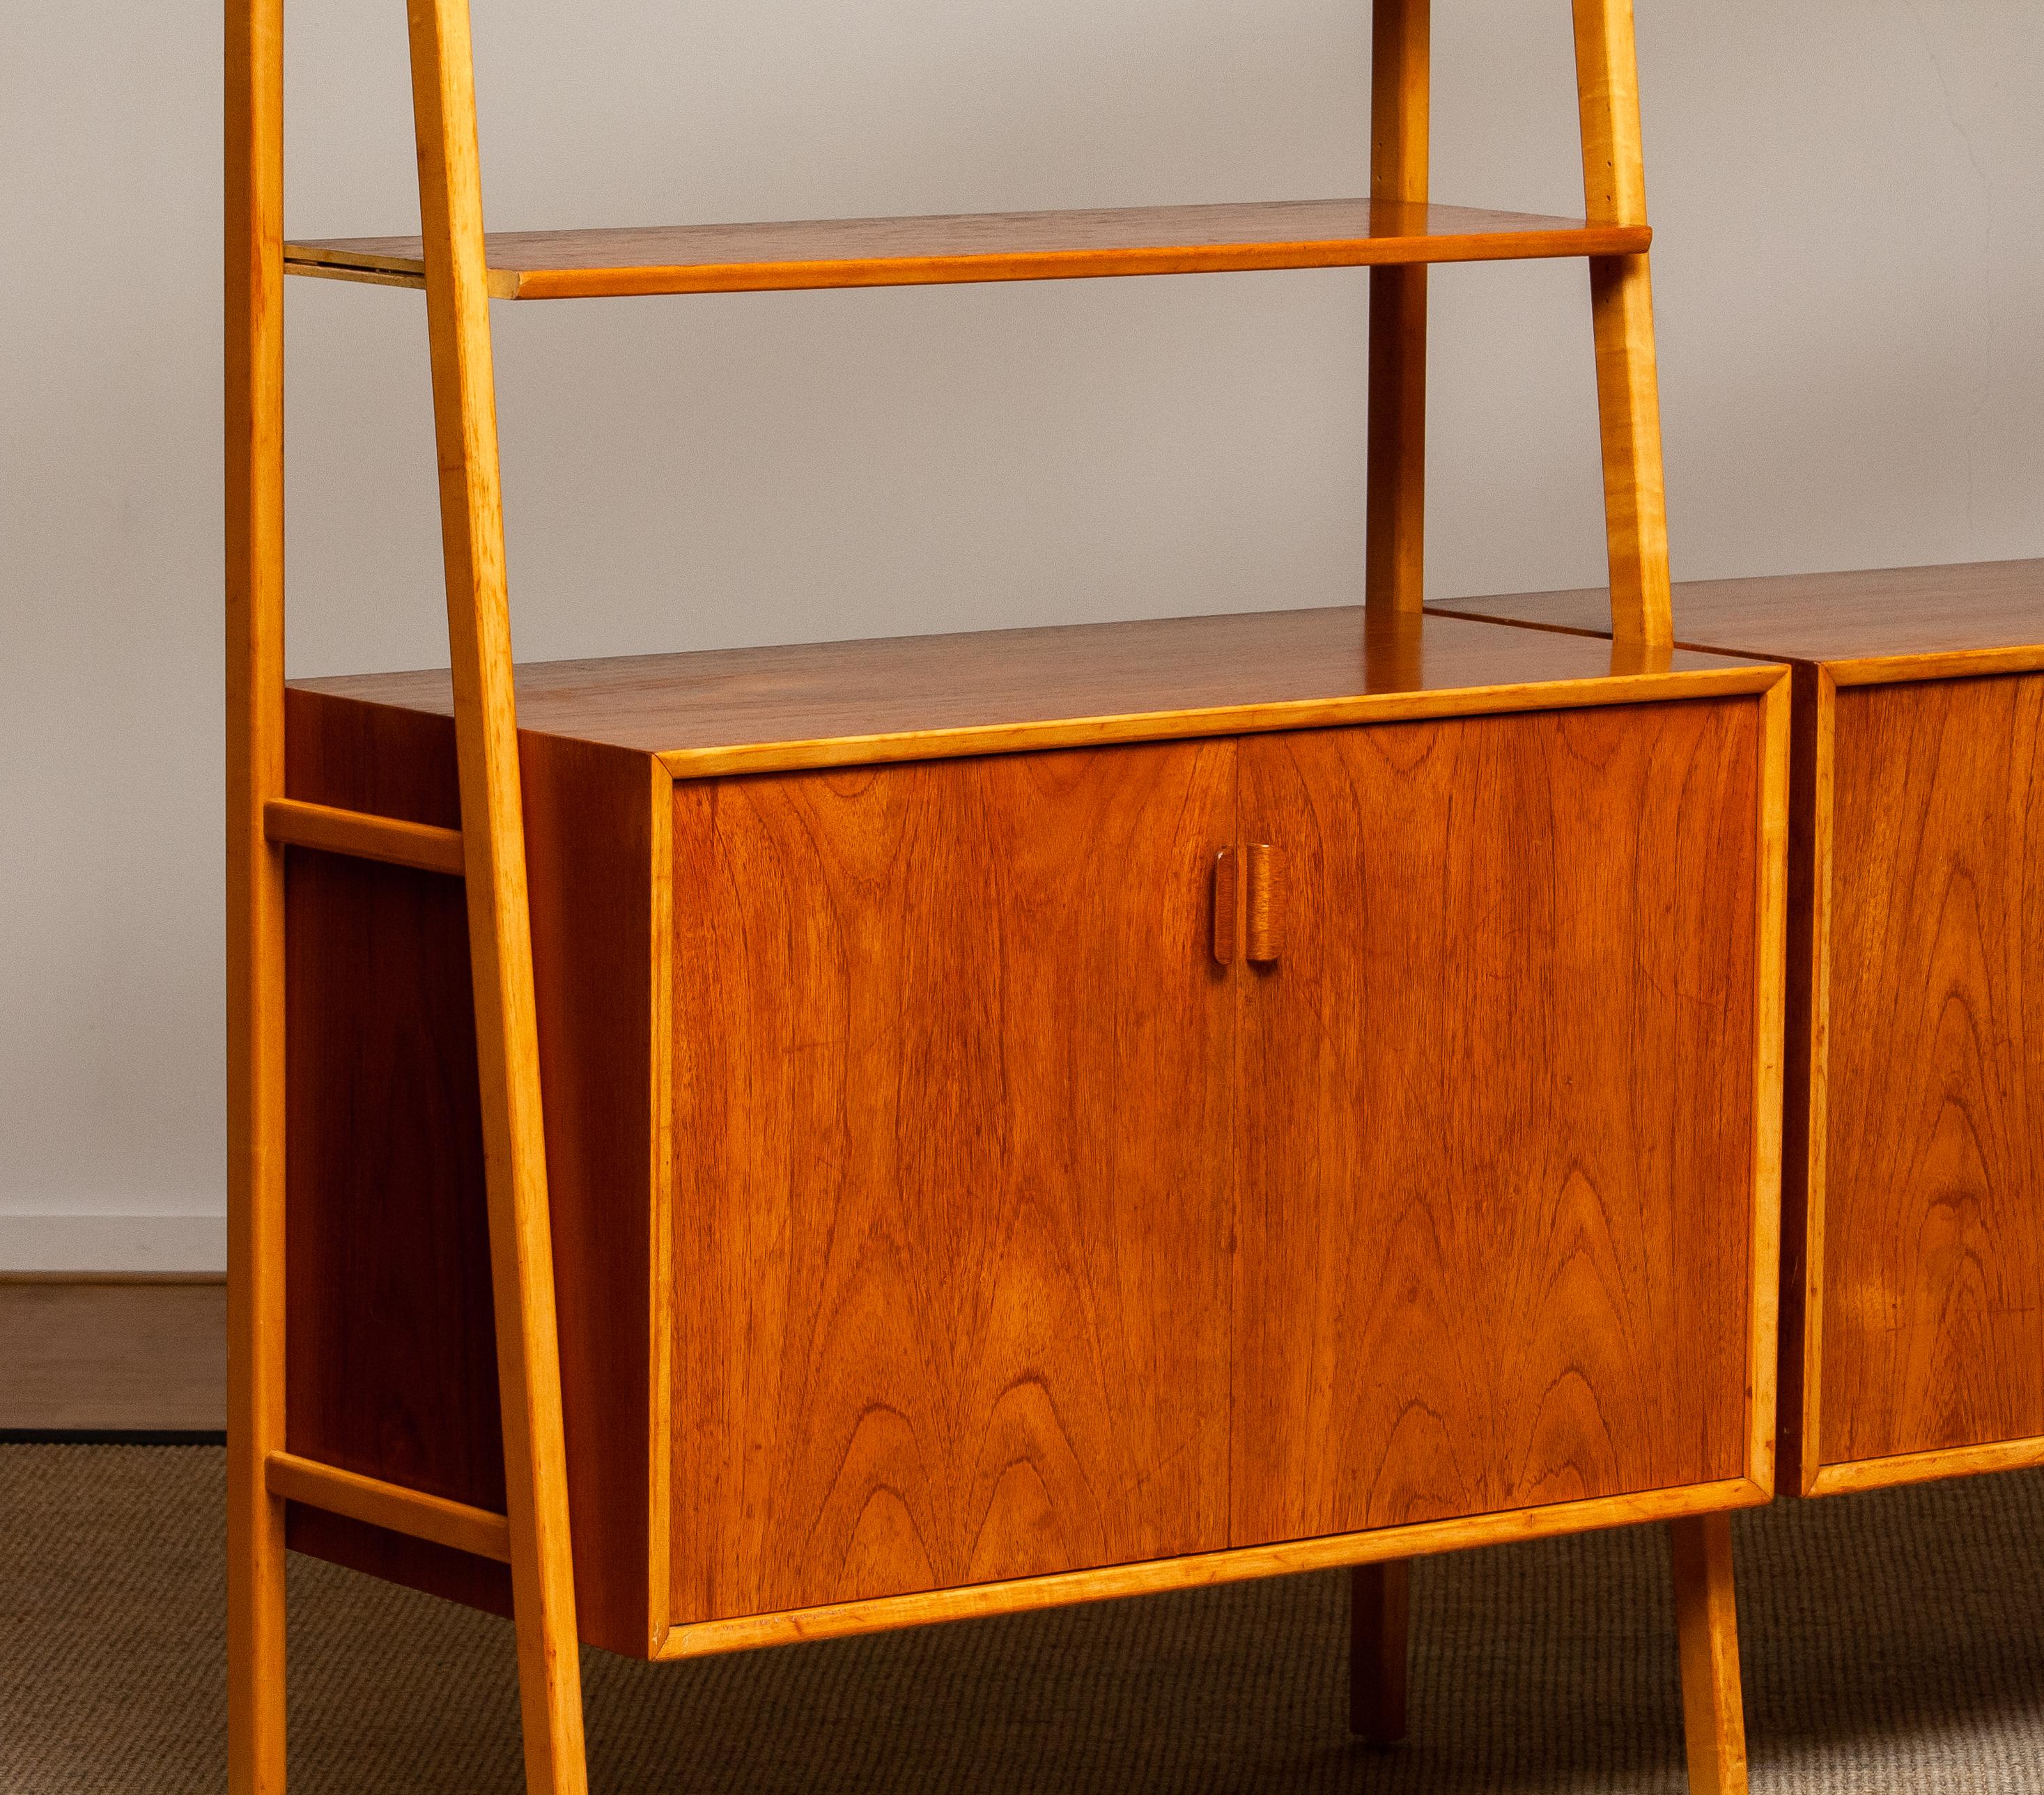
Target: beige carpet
(1893, 1642)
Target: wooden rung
(366, 837)
(388, 1505)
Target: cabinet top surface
(1990, 609)
(918, 697)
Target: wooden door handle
(1248, 908)
(1264, 930)
(1227, 904)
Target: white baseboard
(113, 1243)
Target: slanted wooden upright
(1381, 1158)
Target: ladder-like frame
(1622, 305)
(489, 851)
(533, 1534)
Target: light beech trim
(1309, 713)
(1622, 305)
(1769, 1021)
(1924, 1468)
(500, 933)
(372, 1500)
(1199, 1569)
(1961, 663)
(254, 420)
(365, 836)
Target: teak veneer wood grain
(1913, 1345)
(993, 246)
(747, 710)
(1932, 1217)
(1464, 1167)
(953, 1217)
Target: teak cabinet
(1913, 1304)
(984, 1180)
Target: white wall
(1850, 199)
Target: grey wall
(1850, 199)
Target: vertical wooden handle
(1227, 904)
(1264, 930)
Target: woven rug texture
(1893, 1642)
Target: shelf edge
(1588, 241)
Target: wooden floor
(113, 1357)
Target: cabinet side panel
(1497, 1181)
(391, 1367)
(1934, 1234)
(391, 1329)
(588, 849)
(952, 1075)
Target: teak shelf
(998, 246)
(1913, 1297)
(1028, 1117)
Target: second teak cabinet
(1913, 1307)
(1138, 1143)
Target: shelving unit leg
(499, 926)
(254, 556)
(1400, 78)
(1622, 305)
(1395, 570)
(1707, 1626)
(1380, 1601)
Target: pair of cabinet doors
(1014, 1233)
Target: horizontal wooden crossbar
(388, 1505)
(354, 832)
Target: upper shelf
(991, 246)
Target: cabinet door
(1933, 1333)
(1497, 1167)
(950, 1228)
